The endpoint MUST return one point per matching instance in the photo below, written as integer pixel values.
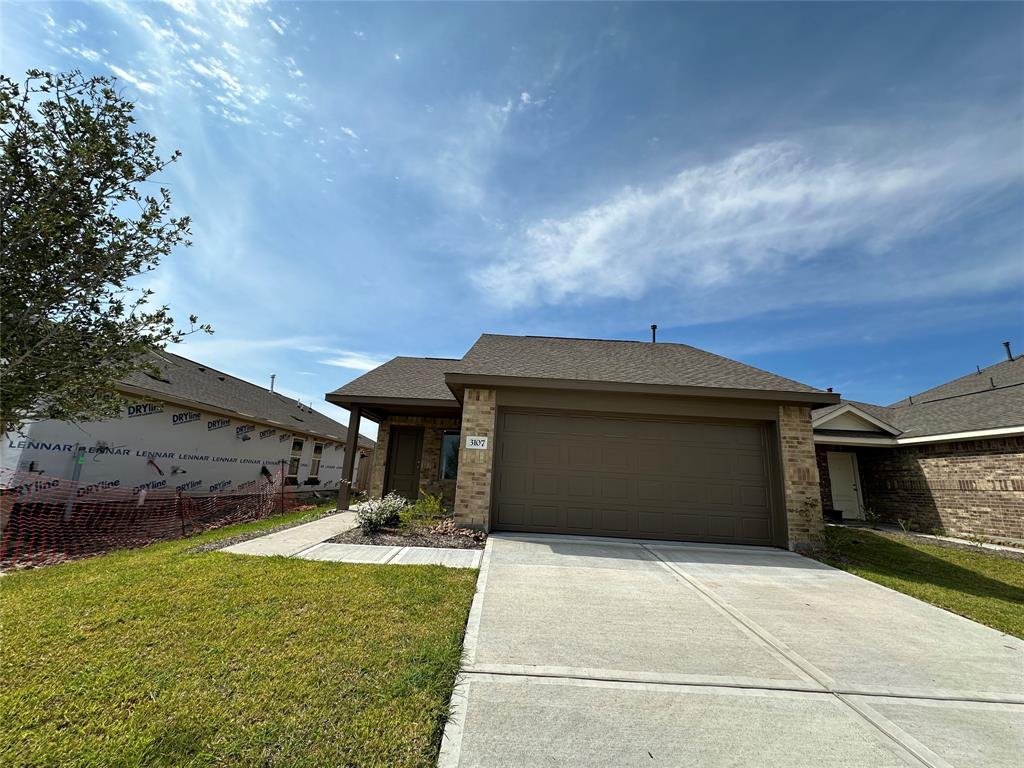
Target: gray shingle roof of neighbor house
(523, 358)
(991, 399)
(184, 380)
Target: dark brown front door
(405, 446)
(634, 477)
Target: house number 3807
(477, 442)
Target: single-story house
(186, 428)
(950, 458)
(597, 437)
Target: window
(293, 461)
(449, 455)
(314, 467)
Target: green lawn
(984, 587)
(159, 657)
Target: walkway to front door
(606, 652)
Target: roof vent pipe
(1009, 353)
(654, 334)
(272, 377)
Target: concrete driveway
(591, 652)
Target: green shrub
(425, 511)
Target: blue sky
(832, 192)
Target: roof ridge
(592, 338)
(904, 404)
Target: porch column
(348, 465)
(800, 479)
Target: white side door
(845, 481)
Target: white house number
(477, 442)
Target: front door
(842, 472)
(405, 446)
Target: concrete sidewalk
(291, 541)
(309, 542)
(589, 652)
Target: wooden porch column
(348, 465)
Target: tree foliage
(80, 222)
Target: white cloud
(398, 57)
(277, 27)
(186, 7)
(353, 360)
(292, 67)
(134, 79)
(524, 97)
(349, 132)
(459, 153)
(758, 212)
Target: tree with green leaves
(81, 223)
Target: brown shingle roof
(627, 362)
(186, 380)
(404, 377)
(542, 357)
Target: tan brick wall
(800, 478)
(970, 487)
(430, 469)
(473, 489)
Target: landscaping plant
(376, 514)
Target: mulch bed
(213, 546)
(410, 537)
(1005, 553)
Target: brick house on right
(949, 458)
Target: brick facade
(800, 478)
(964, 487)
(430, 463)
(473, 488)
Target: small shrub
(977, 539)
(905, 523)
(425, 511)
(375, 514)
(832, 541)
(939, 531)
(870, 515)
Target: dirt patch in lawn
(417, 536)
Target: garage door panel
(581, 487)
(511, 483)
(720, 494)
(515, 422)
(755, 529)
(753, 496)
(545, 516)
(509, 514)
(616, 520)
(721, 527)
(615, 487)
(749, 464)
(581, 455)
(632, 476)
(579, 518)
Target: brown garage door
(633, 477)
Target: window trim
(297, 457)
(315, 461)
